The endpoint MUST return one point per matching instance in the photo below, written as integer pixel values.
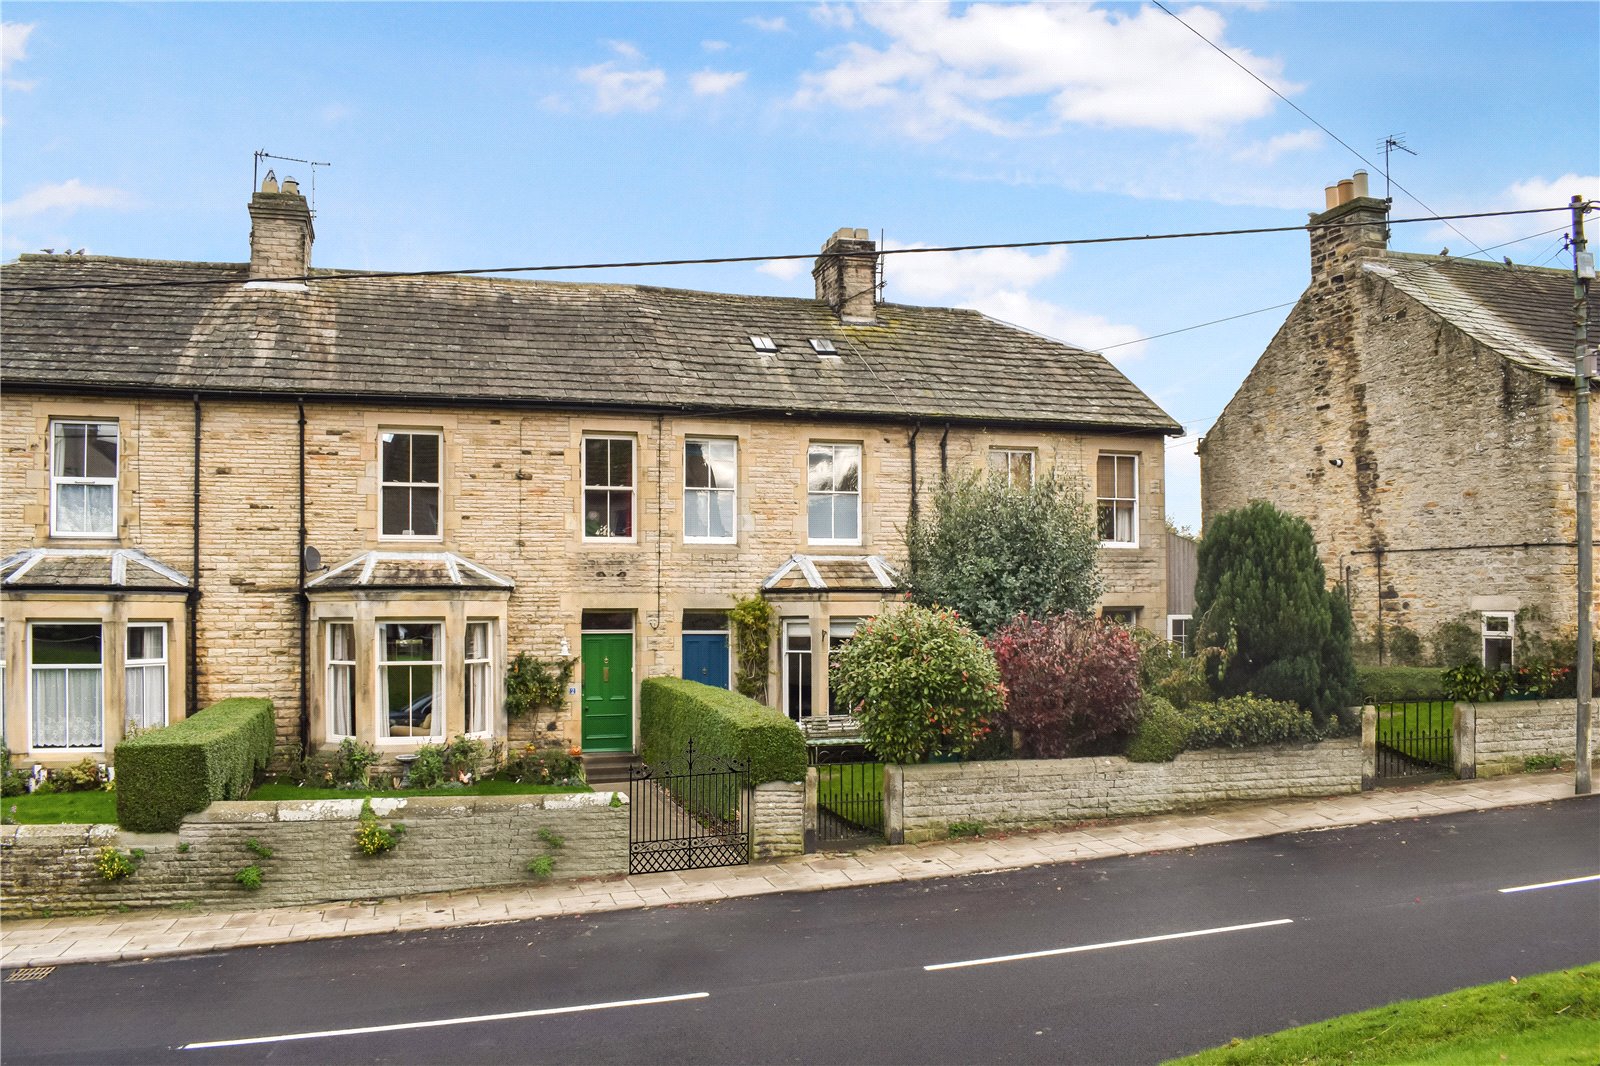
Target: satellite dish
(311, 559)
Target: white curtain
(66, 707)
(341, 680)
(85, 508)
(478, 677)
(147, 696)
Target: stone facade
(448, 844)
(1026, 792)
(511, 502)
(1436, 468)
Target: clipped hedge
(167, 773)
(1248, 720)
(1400, 684)
(723, 724)
(1161, 734)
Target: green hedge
(1400, 684)
(167, 773)
(723, 724)
(1161, 734)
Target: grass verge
(62, 808)
(1552, 1019)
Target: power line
(366, 275)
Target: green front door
(608, 692)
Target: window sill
(610, 542)
(834, 544)
(401, 538)
(1119, 545)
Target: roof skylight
(823, 346)
(762, 344)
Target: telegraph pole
(1582, 271)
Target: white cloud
(65, 198)
(714, 46)
(623, 90)
(14, 49)
(1521, 195)
(625, 49)
(785, 269)
(998, 282)
(775, 25)
(1269, 150)
(838, 16)
(715, 82)
(942, 69)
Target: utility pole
(1582, 271)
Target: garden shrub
(85, 775)
(427, 769)
(1069, 681)
(1161, 733)
(992, 551)
(352, 762)
(1457, 641)
(1399, 684)
(541, 765)
(920, 682)
(13, 782)
(1165, 671)
(1248, 720)
(166, 773)
(1261, 593)
(723, 725)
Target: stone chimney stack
(1352, 225)
(280, 231)
(846, 276)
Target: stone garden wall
(1507, 733)
(923, 801)
(449, 843)
(779, 811)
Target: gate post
(1466, 741)
(808, 830)
(894, 822)
(1369, 748)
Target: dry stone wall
(1047, 791)
(449, 843)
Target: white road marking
(1552, 884)
(438, 1022)
(1108, 944)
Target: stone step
(607, 767)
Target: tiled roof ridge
(1478, 264)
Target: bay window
(341, 680)
(410, 673)
(145, 677)
(797, 668)
(66, 664)
(480, 678)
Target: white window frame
(438, 708)
(732, 493)
(632, 489)
(5, 731)
(1509, 636)
(1186, 642)
(843, 628)
(411, 487)
(57, 480)
(338, 673)
(67, 668)
(1006, 455)
(130, 665)
(792, 625)
(1119, 499)
(480, 671)
(834, 493)
(1132, 613)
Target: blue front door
(705, 658)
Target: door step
(607, 767)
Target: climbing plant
(533, 683)
(752, 638)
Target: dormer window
(762, 344)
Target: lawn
(278, 790)
(58, 808)
(1420, 730)
(853, 791)
(1552, 1019)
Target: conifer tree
(1261, 593)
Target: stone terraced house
(485, 467)
(1418, 411)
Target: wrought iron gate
(688, 816)
(1416, 740)
(849, 795)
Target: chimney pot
(270, 183)
(291, 186)
(1330, 197)
(1360, 180)
(1347, 190)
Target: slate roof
(460, 339)
(408, 570)
(835, 573)
(127, 569)
(1525, 313)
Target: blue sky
(473, 135)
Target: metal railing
(690, 815)
(849, 794)
(1415, 738)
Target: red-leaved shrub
(1069, 681)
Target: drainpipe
(304, 603)
(193, 655)
(944, 454)
(1379, 556)
(911, 446)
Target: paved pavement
(148, 934)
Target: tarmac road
(1121, 960)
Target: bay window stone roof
(408, 570)
(111, 569)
